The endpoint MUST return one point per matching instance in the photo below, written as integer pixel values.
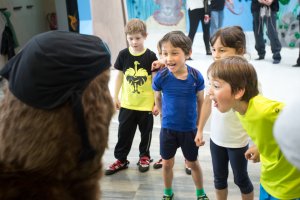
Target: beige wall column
(108, 23)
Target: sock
(200, 192)
(168, 191)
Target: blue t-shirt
(179, 100)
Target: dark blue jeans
(221, 156)
(258, 29)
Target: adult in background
(198, 11)
(217, 14)
(264, 12)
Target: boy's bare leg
(249, 196)
(222, 194)
(196, 173)
(167, 171)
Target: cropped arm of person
(200, 101)
(118, 85)
(157, 95)
(155, 110)
(230, 2)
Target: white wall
(27, 22)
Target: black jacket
(255, 6)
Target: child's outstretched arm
(118, 85)
(155, 110)
(157, 65)
(199, 136)
(204, 115)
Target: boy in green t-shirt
(233, 85)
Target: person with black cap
(54, 117)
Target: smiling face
(136, 42)
(174, 57)
(219, 51)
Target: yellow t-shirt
(137, 93)
(278, 177)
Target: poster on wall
(159, 15)
(288, 24)
(73, 15)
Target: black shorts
(170, 140)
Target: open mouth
(171, 66)
(215, 103)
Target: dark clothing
(217, 5)
(272, 33)
(255, 6)
(128, 122)
(7, 43)
(65, 63)
(171, 140)
(221, 156)
(73, 15)
(258, 28)
(126, 60)
(195, 16)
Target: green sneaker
(165, 197)
(204, 197)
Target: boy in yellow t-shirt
(134, 80)
(233, 85)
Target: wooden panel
(108, 24)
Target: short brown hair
(178, 39)
(238, 73)
(136, 26)
(233, 37)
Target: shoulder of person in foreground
(286, 132)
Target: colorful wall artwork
(159, 14)
(288, 23)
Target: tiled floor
(131, 184)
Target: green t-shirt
(278, 177)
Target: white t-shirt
(226, 130)
(194, 4)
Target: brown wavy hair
(39, 149)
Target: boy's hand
(155, 110)
(252, 154)
(156, 65)
(117, 103)
(199, 139)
